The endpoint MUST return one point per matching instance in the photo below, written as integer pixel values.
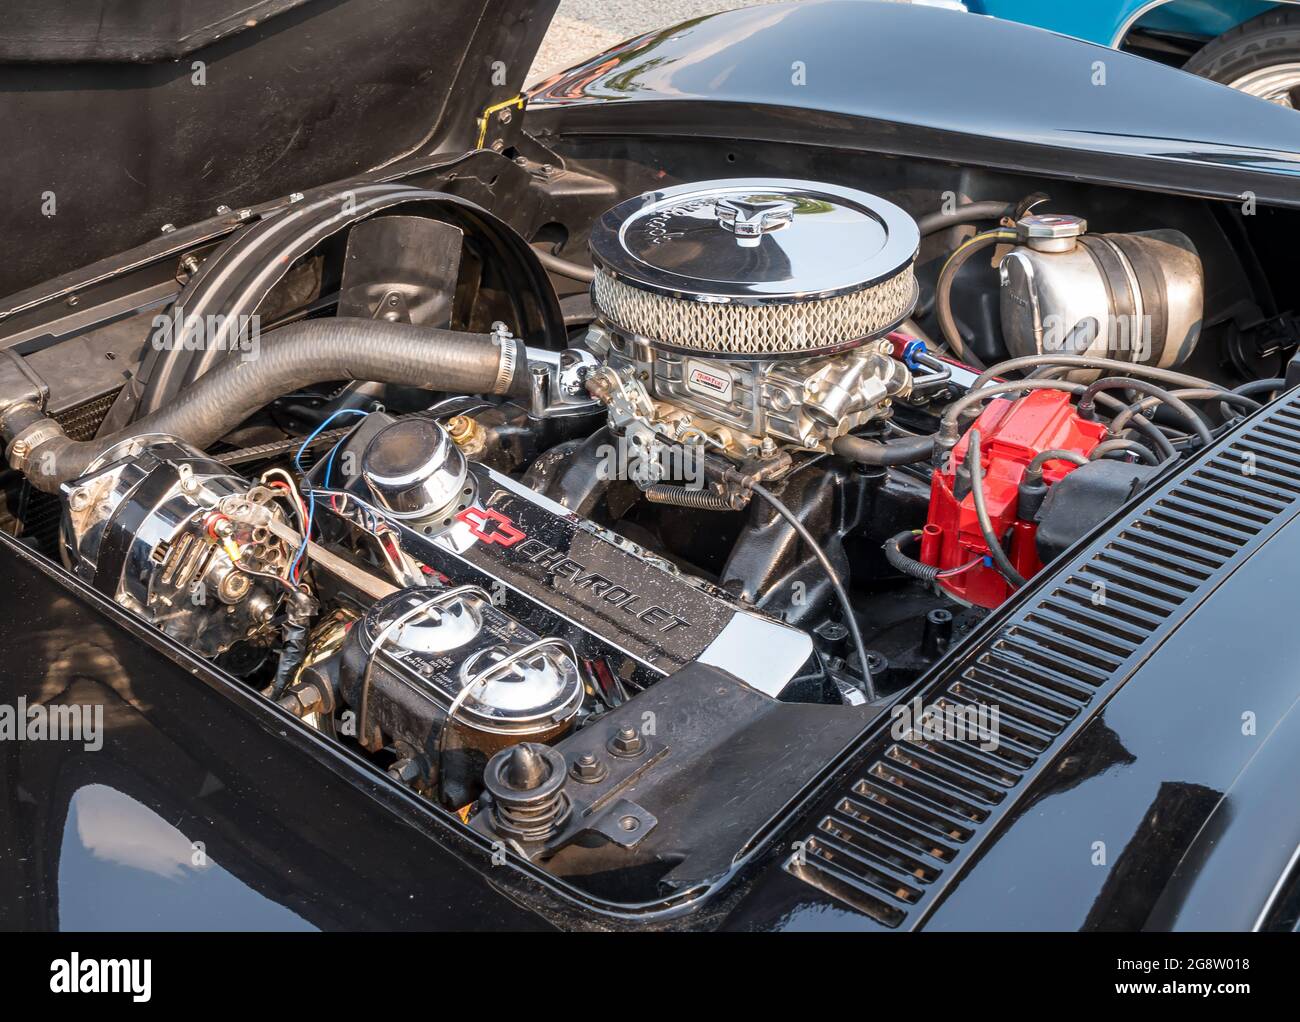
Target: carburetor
(163, 530)
(750, 314)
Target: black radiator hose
(903, 451)
(289, 358)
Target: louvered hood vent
(907, 825)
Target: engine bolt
(406, 770)
(626, 742)
(588, 769)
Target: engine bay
(609, 556)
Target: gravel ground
(582, 28)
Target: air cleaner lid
(754, 241)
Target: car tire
(1260, 56)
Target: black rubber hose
(1035, 470)
(1226, 401)
(890, 452)
(1252, 388)
(970, 213)
(1260, 386)
(908, 565)
(850, 620)
(943, 289)
(295, 356)
(1166, 376)
(1160, 443)
(1000, 558)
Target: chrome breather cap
(755, 268)
(414, 469)
(1052, 225)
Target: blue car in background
(1252, 45)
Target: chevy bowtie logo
(490, 526)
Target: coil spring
(700, 500)
(533, 821)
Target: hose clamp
(504, 340)
(25, 444)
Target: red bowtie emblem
(490, 526)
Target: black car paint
(301, 823)
(922, 82)
(122, 118)
(295, 833)
(1193, 810)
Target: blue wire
(329, 463)
(311, 494)
(306, 532)
(297, 458)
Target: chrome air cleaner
(748, 315)
(755, 269)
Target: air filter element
(755, 269)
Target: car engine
(578, 592)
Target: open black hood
(123, 116)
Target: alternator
(162, 529)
